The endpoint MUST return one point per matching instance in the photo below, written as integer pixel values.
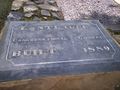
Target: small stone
(38, 1)
(45, 18)
(15, 16)
(29, 3)
(30, 8)
(49, 7)
(24, 0)
(45, 13)
(29, 14)
(51, 2)
(56, 15)
(117, 1)
(16, 5)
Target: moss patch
(5, 6)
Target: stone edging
(37, 10)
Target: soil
(94, 81)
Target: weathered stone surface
(16, 5)
(15, 16)
(56, 15)
(45, 18)
(51, 2)
(29, 3)
(32, 49)
(49, 7)
(45, 13)
(38, 1)
(30, 8)
(29, 14)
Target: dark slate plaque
(32, 49)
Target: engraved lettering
(27, 52)
(38, 39)
(33, 52)
(32, 28)
(96, 49)
(46, 27)
(22, 28)
(18, 53)
(85, 50)
(99, 48)
(40, 28)
(89, 37)
(83, 26)
(52, 51)
(40, 52)
(91, 49)
(107, 48)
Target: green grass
(5, 6)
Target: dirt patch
(5, 6)
(94, 81)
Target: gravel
(107, 11)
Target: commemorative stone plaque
(32, 49)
